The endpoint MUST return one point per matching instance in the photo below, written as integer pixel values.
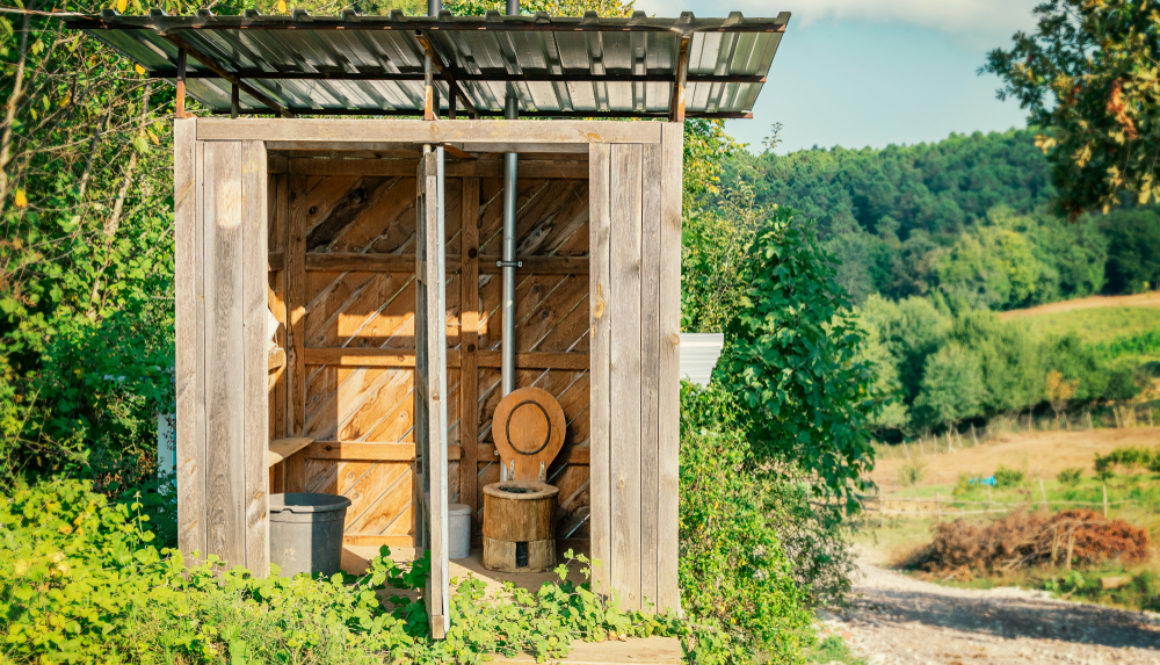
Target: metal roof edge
(161, 22)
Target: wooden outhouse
(339, 299)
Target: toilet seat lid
(528, 428)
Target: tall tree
(1087, 75)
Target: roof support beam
(180, 82)
(677, 105)
(184, 47)
(445, 73)
(428, 86)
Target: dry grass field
(1038, 454)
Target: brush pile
(1020, 540)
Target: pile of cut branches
(1022, 540)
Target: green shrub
(81, 582)
(1070, 476)
(1005, 477)
(735, 566)
(1142, 591)
(792, 362)
(1128, 458)
(910, 473)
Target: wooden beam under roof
(184, 46)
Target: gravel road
(899, 620)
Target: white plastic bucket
(459, 528)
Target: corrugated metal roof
(699, 354)
(353, 64)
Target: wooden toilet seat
(528, 428)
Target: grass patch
(832, 649)
(1098, 324)
(1103, 327)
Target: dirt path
(899, 620)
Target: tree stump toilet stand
(519, 510)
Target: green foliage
(1070, 476)
(1007, 477)
(1129, 458)
(1010, 364)
(1087, 76)
(553, 7)
(713, 256)
(791, 359)
(833, 650)
(81, 581)
(964, 217)
(952, 387)
(910, 473)
(910, 330)
(897, 192)
(937, 368)
(754, 553)
(1133, 262)
(1142, 591)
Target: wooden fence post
(1043, 495)
(1104, 487)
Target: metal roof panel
(356, 64)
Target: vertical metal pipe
(508, 261)
(435, 6)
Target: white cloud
(980, 17)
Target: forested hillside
(929, 241)
(937, 188)
(967, 217)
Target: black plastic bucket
(306, 532)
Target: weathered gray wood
(355, 132)
(254, 360)
(188, 348)
(225, 396)
(422, 417)
(650, 369)
(569, 169)
(490, 147)
(437, 400)
(295, 275)
(468, 339)
(669, 398)
(625, 378)
(599, 226)
(431, 387)
(280, 205)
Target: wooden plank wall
(635, 320)
(221, 304)
(598, 330)
(348, 260)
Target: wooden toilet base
(517, 526)
(530, 556)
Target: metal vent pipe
(508, 261)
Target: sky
(861, 73)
